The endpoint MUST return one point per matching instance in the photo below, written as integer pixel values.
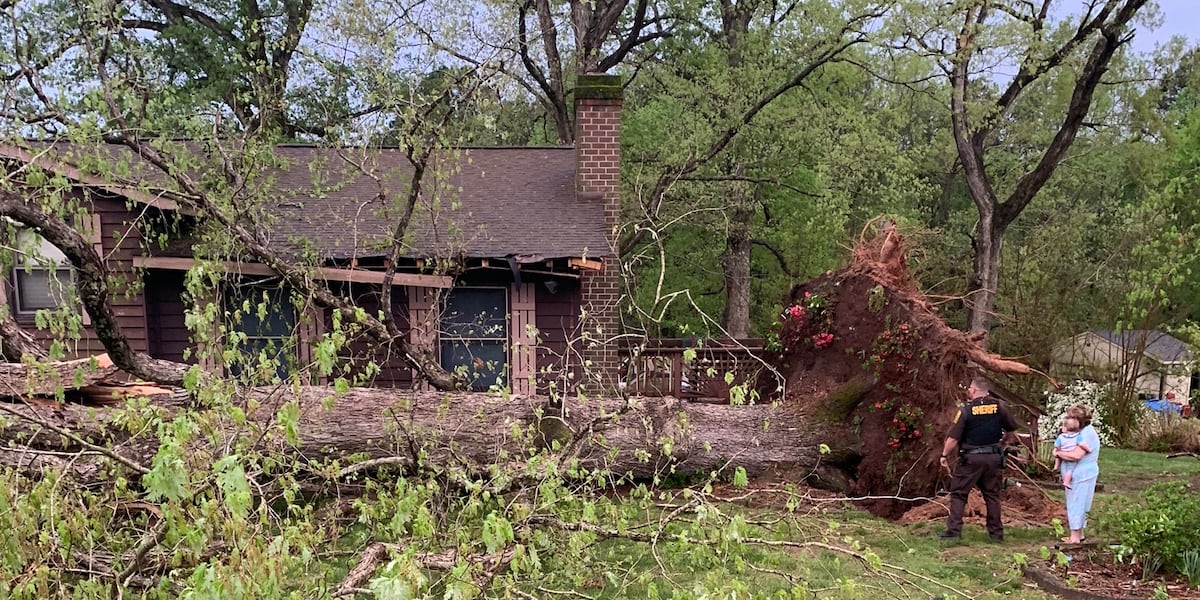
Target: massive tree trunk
(639, 438)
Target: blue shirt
(1088, 467)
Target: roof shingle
(1158, 345)
(477, 203)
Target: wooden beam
(562, 274)
(327, 273)
(585, 264)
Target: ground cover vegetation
(888, 194)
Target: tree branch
(74, 438)
(92, 283)
(778, 255)
(1112, 37)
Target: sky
(1179, 17)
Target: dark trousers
(985, 471)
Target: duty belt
(983, 450)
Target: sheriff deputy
(974, 440)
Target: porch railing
(661, 367)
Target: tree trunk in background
(985, 278)
(735, 262)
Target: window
(264, 322)
(474, 335)
(41, 276)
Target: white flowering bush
(1088, 393)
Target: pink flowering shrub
(807, 321)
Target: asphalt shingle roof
(487, 202)
(1159, 345)
(478, 202)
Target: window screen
(474, 335)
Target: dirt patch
(1024, 506)
(1095, 574)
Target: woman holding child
(1083, 473)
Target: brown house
(528, 228)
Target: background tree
(742, 162)
(982, 112)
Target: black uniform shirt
(982, 422)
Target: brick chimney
(598, 180)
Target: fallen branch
(352, 583)
(149, 542)
(52, 378)
(440, 561)
(78, 440)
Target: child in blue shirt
(1066, 442)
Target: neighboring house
(1160, 365)
(530, 228)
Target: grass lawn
(1130, 471)
(824, 549)
(902, 561)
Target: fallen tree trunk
(638, 438)
(52, 378)
(367, 428)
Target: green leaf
(740, 479)
(497, 532)
(289, 419)
(231, 480)
(168, 475)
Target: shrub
(1159, 432)
(1088, 393)
(1161, 528)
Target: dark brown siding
(121, 242)
(557, 323)
(166, 330)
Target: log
(639, 438)
(52, 378)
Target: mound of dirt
(863, 351)
(1024, 506)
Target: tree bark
(640, 438)
(15, 342)
(735, 317)
(49, 378)
(985, 277)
